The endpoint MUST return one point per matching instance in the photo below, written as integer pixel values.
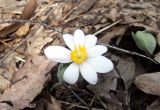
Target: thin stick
(18, 51)
(20, 21)
(80, 99)
(105, 28)
(92, 101)
(129, 52)
(31, 22)
(103, 104)
(79, 106)
(108, 89)
(15, 48)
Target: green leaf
(61, 69)
(145, 41)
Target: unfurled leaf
(61, 69)
(145, 41)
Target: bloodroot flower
(85, 55)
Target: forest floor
(28, 80)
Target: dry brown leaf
(115, 32)
(149, 83)
(83, 7)
(4, 83)
(126, 68)
(27, 13)
(9, 29)
(109, 82)
(40, 39)
(48, 102)
(157, 57)
(23, 30)
(28, 82)
(102, 88)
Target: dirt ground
(28, 80)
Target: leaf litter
(29, 80)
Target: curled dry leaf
(29, 9)
(149, 83)
(9, 29)
(23, 30)
(26, 14)
(28, 82)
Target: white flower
(85, 55)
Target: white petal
(101, 64)
(79, 37)
(96, 51)
(71, 74)
(58, 54)
(91, 41)
(68, 39)
(88, 73)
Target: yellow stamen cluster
(79, 54)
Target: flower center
(79, 54)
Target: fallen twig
(129, 52)
(105, 28)
(43, 23)
(79, 106)
(80, 99)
